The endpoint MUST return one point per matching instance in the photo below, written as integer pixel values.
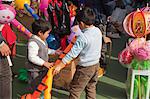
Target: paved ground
(110, 86)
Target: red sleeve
(9, 35)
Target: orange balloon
(127, 25)
(138, 24)
(26, 96)
(146, 11)
(20, 3)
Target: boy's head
(41, 28)
(86, 16)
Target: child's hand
(58, 51)
(58, 67)
(57, 70)
(48, 65)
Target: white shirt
(33, 52)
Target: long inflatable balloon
(21, 27)
(31, 11)
(47, 93)
(46, 82)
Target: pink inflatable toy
(125, 57)
(21, 27)
(43, 5)
(7, 13)
(137, 43)
(141, 53)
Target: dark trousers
(85, 78)
(35, 77)
(5, 80)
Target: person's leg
(5, 80)
(5, 87)
(78, 83)
(90, 89)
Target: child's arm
(33, 55)
(58, 67)
(54, 52)
(48, 65)
(73, 53)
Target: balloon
(31, 11)
(127, 25)
(43, 5)
(26, 96)
(7, 13)
(53, 41)
(137, 43)
(146, 11)
(141, 54)
(125, 57)
(138, 24)
(20, 3)
(49, 81)
(135, 64)
(21, 27)
(147, 48)
(135, 92)
(145, 65)
(75, 30)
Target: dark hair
(7, 2)
(86, 15)
(40, 25)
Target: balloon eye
(3, 16)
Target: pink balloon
(141, 53)
(75, 30)
(20, 27)
(147, 48)
(7, 13)
(43, 5)
(137, 43)
(127, 25)
(125, 57)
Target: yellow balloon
(20, 3)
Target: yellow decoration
(47, 92)
(20, 4)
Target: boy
(38, 52)
(88, 49)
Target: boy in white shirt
(38, 52)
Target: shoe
(101, 72)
